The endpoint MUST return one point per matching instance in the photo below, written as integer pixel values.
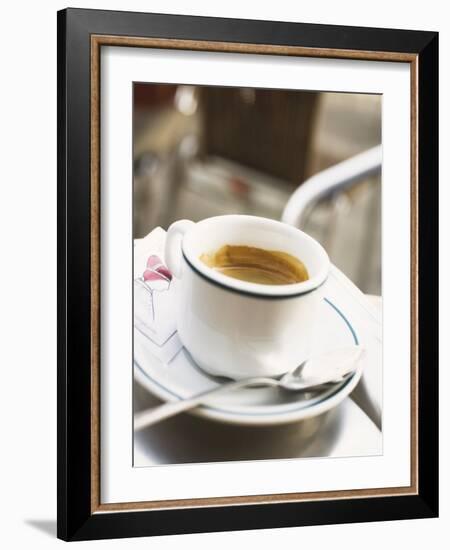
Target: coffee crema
(256, 265)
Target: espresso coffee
(256, 265)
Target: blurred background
(201, 151)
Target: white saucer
(180, 377)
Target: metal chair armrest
(336, 178)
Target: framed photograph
(247, 255)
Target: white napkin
(367, 320)
(153, 301)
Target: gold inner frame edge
(97, 41)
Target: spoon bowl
(331, 367)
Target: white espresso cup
(237, 328)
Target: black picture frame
(76, 518)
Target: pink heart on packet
(156, 270)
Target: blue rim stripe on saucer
(319, 400)
(347, 322)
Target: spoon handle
(148, 417)
(156, 414)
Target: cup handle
(172, 251)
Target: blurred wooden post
(268, 130)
